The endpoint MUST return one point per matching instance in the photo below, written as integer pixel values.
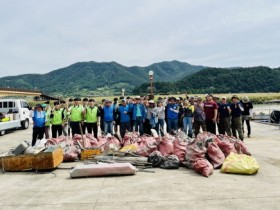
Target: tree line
(220, 80)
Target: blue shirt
(138, 111)
(223, 110)
(108, 113)
(39, 118)
(142, 110)
(172, 114)
(124, 116)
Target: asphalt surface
(164, 189)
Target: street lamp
(151, 76)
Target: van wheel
(2, 133)
(25, 124)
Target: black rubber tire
(2, 133)
(25, 124)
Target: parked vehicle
(15, 114)
(275, 116)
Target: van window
(5, 104)
(11, 104)
(1, 105)
(24, 104)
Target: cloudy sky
(39, 36)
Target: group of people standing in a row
(141, 114)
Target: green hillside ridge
(221, 80)
(94, 78)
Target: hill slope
(222, 80)
(92, 78)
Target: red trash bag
(166, 146)
(226, 146)
(127, 140)
(86, 142)
(83, 140)
(241, 148)
(71, 154)
(101, 142)
(146, 146)
(130, 138)
(194, 150)
(112, 144)
(180, 149)
(60, 139)
(215, 155)
(203, 167)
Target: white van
(18, 112)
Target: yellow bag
(6, 119)
(129, 148)
(240, 164)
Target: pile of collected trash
(203, 154)
(208, 152)
(131, 144)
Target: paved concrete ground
(164, 189)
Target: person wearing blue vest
(124, 113)
(39, 119)
(108, 117)
(139, 115)
(172, 110)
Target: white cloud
(40, 36)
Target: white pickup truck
(18, 111)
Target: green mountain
(221, 80)
(93, 78)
